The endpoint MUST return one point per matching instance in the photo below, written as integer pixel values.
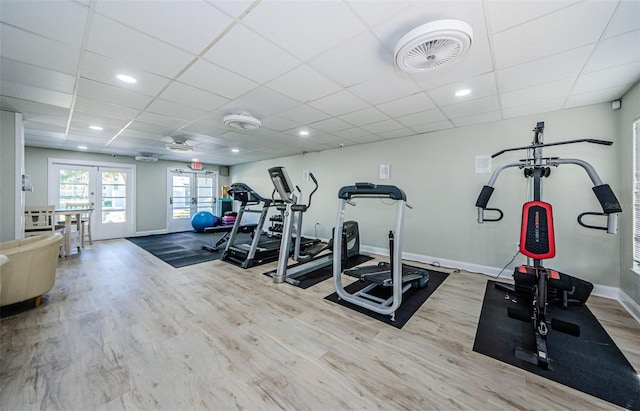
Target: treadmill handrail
(371, 190)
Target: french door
(189, 192)
(109, 187)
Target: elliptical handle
(313, 178)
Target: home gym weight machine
(392, 274)
(539, 285)
(294, 211)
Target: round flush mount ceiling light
(146, 158)
(242, 121)
(463, 92)
(126, 78)
(433, 45)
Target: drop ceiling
(325, 67)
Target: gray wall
(436, 170)
(8, 189)
(151, 182)
(630, 112)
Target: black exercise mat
(411, 300)
(180, 249)
(591, 363)
(315, 277)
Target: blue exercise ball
(202, 220)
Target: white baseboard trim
(605, 291)
(151, 232)
(632, 307)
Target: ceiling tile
(304, 114)
(330, 125)
(88, 119)
(28, 108)
(114, 40)
(260, 102)
(608, 78)
(304, 84)
(365, 116)
(192, 97)
(161, 120)
(45, 17)
(383, 126)
(625, 19)
(309, 20)
(518, 45)
(472, 107)
(170, 109)
(114, 95)
(615, 51)
(396, 133)
(20, 45)
(506, 14)
(189, 25)
(278, 123)
(351, 133)
(40, 95)
(157, 129)
(481, 86)
(359, 59)
(217, 80)
(107, 109)
(597, 96)
(423, 117)
(385, 88)
(565, 64)
(541, 92)
(246, 53)
(233, 8)
(339, 103)
(435, 126)
(104, 70)
(477, 119)
(407, 105)
(18, 72)
(533, 108)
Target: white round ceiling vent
(241, 121)
(146, 158)
(179, 145)
(433, 45)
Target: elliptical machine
(294, 211)
(537, 284)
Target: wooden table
(68, 215)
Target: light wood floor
(121, 330)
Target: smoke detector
(146, 158)
(433, 45)
(179, 145)
(242, 121)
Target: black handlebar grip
(484, 197)
(607, 199)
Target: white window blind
(636, 195)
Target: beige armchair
(28, 268)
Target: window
(636, 196)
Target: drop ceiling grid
(331, 71)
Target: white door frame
(175, 225)
(53, 186)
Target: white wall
(630, 112)
(436, 170)
(151, 185)
(11, 170)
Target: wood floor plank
(122, 330)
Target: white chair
(85, 220)
(39, 220)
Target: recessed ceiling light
(235, 150)
(463, 92)
(82, 147)
(97, 128)
(126, 78)
(194, 159)
(304, 133)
